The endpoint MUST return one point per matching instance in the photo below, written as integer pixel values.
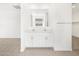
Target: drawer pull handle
(46, 38)
(32, 38)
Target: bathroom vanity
(46, 26)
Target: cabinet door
(42, 40)
(28, 40)
(63, 39)
(38, 40)
(64, 12)
(49, 40)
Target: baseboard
(9, 36)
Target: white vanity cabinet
(46, 25)
(37, 40)
(35, 27)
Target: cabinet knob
(46, 38)
(33, 29)
(45, 30)
(32, 38)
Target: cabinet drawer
(38, 40)
(28, 41)
(43, 40)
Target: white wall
(75, 18)
(9, 21)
